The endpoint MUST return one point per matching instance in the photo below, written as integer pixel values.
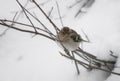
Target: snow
(23, 58)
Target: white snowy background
(23, 58)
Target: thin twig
(27, 31)
(76, 65)
(85, 58)
(86, 53)
(19, 23)
(21, 11)
(80, 10)
(111, 53)
(14, 19)
(71, 6)
(47, 30)
(59, 14)
(4, 32)
(56, 28)
(26, 15)
(50, 12)
(86, 36)
(43, 2)
(80, 62)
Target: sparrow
(68, 38)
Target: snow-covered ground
(23, 58)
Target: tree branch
(27, 31)
(56, 28)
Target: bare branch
(74, 4)
(50, 12)
(59, 14)
(83, 4)
(20, 12)
(86, 53)
(14, 19)
(56, 28)
(26, 15)
(88, 40)
(27, 31)
(23, 24)
(80, 62)
(46, 29)
(76, 65)
(43, 2)
(71, 58)
(111, 53)
(4, 32)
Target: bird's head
(65, 30)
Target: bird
(68, 38)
